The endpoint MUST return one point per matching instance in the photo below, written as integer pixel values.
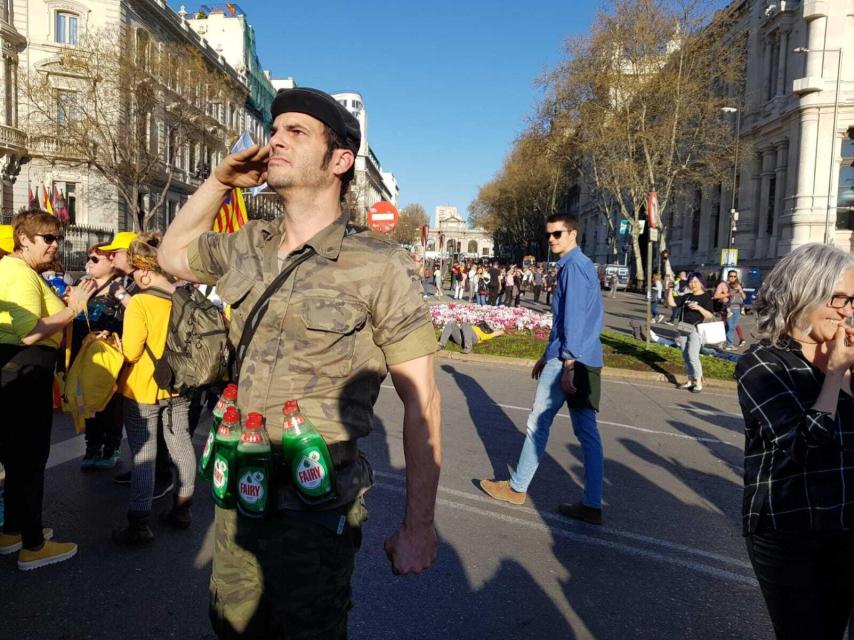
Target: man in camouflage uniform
(347, 316)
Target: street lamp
(832, 131)
(733, 214)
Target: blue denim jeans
(548, 400)
(690, 346)
(731, 324)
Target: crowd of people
(485, 282)
(124, 291)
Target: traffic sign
(652, 209)
(382, 217)
(729, 257)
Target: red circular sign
(382, 217)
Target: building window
(845, 186)
(772, 205)
(695, 220)
(716, 218)
(67, 198)
(773, 65)
(66, 28)
(66, 108)
(171, 211)
(142, 41)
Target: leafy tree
(408, 229)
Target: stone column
(815, 42)
(805, 191)
(781, 172)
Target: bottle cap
(232, 415)
(230, 392)
(254, 421)
(291, 406)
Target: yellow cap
(7, 240)
(121, 240)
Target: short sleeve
(28, 303)
(208, 256)
(401, 319)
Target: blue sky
(447, 85)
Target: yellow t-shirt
(25, 298)
(481, 334)
(146, 323)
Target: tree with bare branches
(131, 108)
(642, 95)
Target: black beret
(322, 106)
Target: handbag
(712, 332)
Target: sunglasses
(840, 301)
(49, 238)
(94, 259)
(556, 234)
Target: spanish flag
(232, 213)
(46, 205)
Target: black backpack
(197, 352)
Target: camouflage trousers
(285, 576)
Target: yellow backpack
(91, 381)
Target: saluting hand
(411, 550)
(247, 168)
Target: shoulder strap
(105, 285)
(158, 293)
(260, 309)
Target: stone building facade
(795, 174)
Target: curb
(607, 372)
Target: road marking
(666, 387)
(699, 567)
(632, 427)
(75, 447)
(560, 520)
(66, 451)
(705, 412)
(618, 424)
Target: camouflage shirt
(330, 331)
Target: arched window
(472, 247)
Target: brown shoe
(501, 490)
(582, 512)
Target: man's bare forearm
(195, 218)
(422, 448)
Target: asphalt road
(669, 562)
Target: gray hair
(801, 282)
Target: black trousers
(807, 580)
(104, 429)
(26, 395)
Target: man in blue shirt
(569, 371)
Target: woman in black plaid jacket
(795, 393)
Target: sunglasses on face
(49, 238)
(840, 301)
(555, 234)
(94, 259)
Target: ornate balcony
(14, 139)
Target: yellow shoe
(11, 542)
(50, 553)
